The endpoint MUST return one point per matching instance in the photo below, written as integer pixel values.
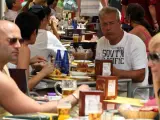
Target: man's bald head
(154, 43)
(6, 28)
(9, 41)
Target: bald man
(9, 45)
(154, 63)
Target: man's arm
(137, 57)
(124, 8)
(26, 7)
(24, 63)
(15, 102)
(152, 11)
(135, 75)
(104, 3)
(46, 70)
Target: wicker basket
(130, 114)
(82, 56)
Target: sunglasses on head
(14, 40)
(154, 56)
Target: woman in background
(135, 16)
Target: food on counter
(82, 67)
(56, 72)
(129, 112)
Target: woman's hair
(40, 11)
(28, 23)
(38, 2)
(154, 42)
(136, 13)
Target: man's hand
(53, 21)
(38, 66)
(37, 59)
(81, 88)
(115, 71)
(156, 27)
(47, 69)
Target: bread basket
(131, 114)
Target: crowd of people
(24, 32)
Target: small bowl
(129, 114)
(76, 73)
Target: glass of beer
(63, 110)
(75, 37)
(95, 111)
(68, 87)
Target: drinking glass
(95, 111)
(63, 110)
(75, 37)
(68, 87)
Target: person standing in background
(141, 28)
(158, 11)
(90, 7)
(53, 20)
(149, 7)
(14, 7)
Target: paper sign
(106, 69)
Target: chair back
(19, 76)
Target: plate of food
(80, 77)
(77, 73)
(82, 61)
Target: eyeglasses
(154, 57)
(14, 40)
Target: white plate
(76, 73)
(79, 61)
(80, 77)
(89, 65)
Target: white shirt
(46, 44)
(90, 7)
(10, 15)
(128, 54)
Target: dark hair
(50, 2)
(46, 10)
(40, 11)
(28, 23)
(9, 3)
(136, 13)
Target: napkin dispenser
(86, 97)
(103, 67)
(109, 86)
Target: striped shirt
(90, 7)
